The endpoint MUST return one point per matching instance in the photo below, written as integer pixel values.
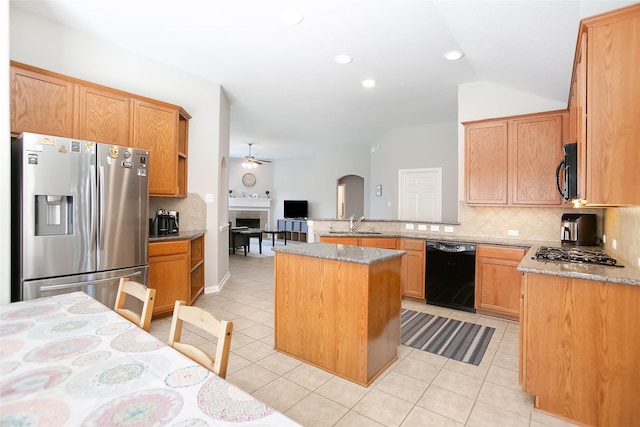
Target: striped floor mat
(455, 339)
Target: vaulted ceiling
(288, 95)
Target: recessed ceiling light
(291, 17)
(454, 55)
(368, 83)
(343, 59)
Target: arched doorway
(350, 197)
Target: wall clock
(248, 179)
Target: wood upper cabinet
(41, 103)
(535, 148)
(155, 128)
(53, 104)
(605, 78)
(104, 116)
(498, 282)
(486, 162)
(512, 160)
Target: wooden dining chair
(141, 292)
(202, 319)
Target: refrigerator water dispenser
(54, 215)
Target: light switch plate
(435, 228)
(448, 229)
(422, 227)
(408, 226)
(208, 198)
(614, 244)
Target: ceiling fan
(250, 162)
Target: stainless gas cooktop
(578, 255)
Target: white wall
(477, 101)
(5, 164)
(426, 146)
(315, 178)
(45, 44)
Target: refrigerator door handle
(87, 282)
(93, 209)
(101, 206)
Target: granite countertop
(627, 275)
(440, 238)
(181, 235)
(346, 253)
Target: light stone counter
(627, 275)
(346, 253)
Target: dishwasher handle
(451, 247)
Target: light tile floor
(419, 389)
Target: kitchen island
(337, 307)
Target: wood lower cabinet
(413, 263)
(498, 282)
(176, 271)
(579, 349)
(379, 242)
(413, 268)
(196, 270)
(352, 241)
(41, 103)
(512, 160)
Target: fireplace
(254, 213)
(248, 222)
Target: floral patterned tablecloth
(69, 360)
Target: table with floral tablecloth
(69, 360)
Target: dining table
(68, 360)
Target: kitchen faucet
(352, 224)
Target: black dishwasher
(450, 278)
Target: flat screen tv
(295, 208)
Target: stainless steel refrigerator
(79, 217)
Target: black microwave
(567, 184)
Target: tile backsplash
(623, 225)
(531, 223)
(192, 209)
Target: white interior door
(420, 194)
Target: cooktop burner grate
(585, 256)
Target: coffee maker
(579, 230)
(174, 217)
(165, 222)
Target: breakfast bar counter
(337, 307)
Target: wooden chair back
(202, 319)
(140, 292)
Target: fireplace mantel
(246, 203)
